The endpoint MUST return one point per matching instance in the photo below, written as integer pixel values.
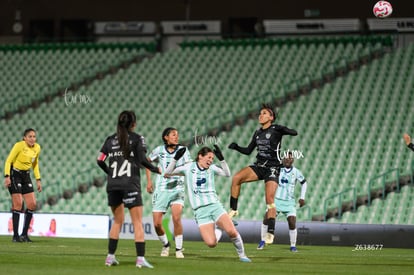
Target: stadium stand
(339, 93)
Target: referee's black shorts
(21, 182)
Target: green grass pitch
(63, 256)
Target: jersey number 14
(124, 169)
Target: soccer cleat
(179, 254)
(17, 239)
(245, 260)
(25, 239)
(261, 245)
(293, 249)
(143, 263)
(165, 251)
(269, 238)
(110, 260)
(233, 213)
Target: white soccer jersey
(200, 183)
(287, 181)
(164, 157)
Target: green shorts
(288, 208)
(209, 213)
(164, 199)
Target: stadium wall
(359, 236)
(62, 17)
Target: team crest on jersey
(268, 135)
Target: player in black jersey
(126, 153)
(407, 140)
(267, 140)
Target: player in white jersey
(168, 192)
(201, 190)
(285, 199)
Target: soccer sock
(238, 244)
(16, 219)
(218, 232)
(271, 226)
(164, 240)
(140, 249)
(233, 203)
(263, 231)
(27, 219)
(112, 245)
(178, 242)
(292, 235)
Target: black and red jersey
(124, 172)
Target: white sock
(163, 239)
(238, 244)
(218, 232)
(292, 236)
(263, 232)
(179, 242)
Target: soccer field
(86, 256)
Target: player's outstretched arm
(244, 150)
(407, 140)
(171, 169)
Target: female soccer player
(267, 140)
(126, 153)
(23, 156)
(285, 199)
(169, 192)
(208, 211)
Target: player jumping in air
(267, 140)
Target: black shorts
(20, 182)
(266, 173)
(128, 198)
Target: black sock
(112, 245)
(140, 249)
(233, 203)
(28, 215)
(16, 219)
(271, 225)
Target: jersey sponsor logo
(115, 154)
(284, 181)
(201, 181)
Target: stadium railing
(382, 178)
(340, 197)
(307, 212)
